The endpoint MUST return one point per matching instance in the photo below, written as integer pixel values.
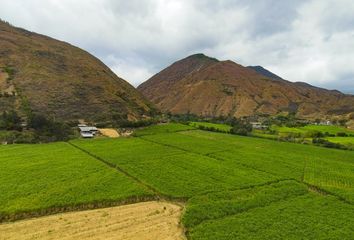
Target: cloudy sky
(300, 40)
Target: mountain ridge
(227, 88)
(265, 72)
(54, 78)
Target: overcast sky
(310, 41)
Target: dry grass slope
(57, 79)
(214, 88)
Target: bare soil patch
(148, 221)
(109, 132)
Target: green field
(170, 170)
(234, 187)
(162, 128)
(38, 177)
(319, 128)
(307, 216)
(217, 126)
(342, 140)
(329, 129)
(305, 134)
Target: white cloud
(128, 70)
(309, 41)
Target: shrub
(324, 143)
(240, 127)
(10, 121)
(342, 134)
(48, 130)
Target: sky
(300, 40)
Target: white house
(258, 125)
(87, 131)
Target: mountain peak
(265, 72)
(210, 87)
(202, 56)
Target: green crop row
(333, 172)
(309, 216)
(236, 187)
(39, 177)
(171, 171)
(218, 205)
(163, 128)
(216, 127)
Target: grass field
(305, 133)
(162, 128)
(172, 171)
(39, 177)
(342, 140)
(319, 128)
(308, 216)
(329, 129)
(217, 126)
(234, 187)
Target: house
(325, 123)
(87, 134)
(87, 131)
(258, 125)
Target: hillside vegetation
(48, 77)
(207, 87)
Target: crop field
(163, 128)
(41, 177)
(219, 127)
(329, 129)
(329, 169)
(319, 128)
(233, 187)
(342, 140)
(139, 221)
(304, 134)
(307, 216)
(172, 171)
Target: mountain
(54, 78)
(205, 86)
(261, 70)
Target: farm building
(258, 125)
(87, 131)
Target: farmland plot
(148, 221)
(163, 128)
(235, 187)
(305, 217)
(330, 169)
(45, 178)
(172, 171)
(218, 205)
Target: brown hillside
(223, 88)
(56, 79)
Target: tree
(10, 121)
(240, 127)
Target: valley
(205, 149)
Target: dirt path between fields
(148, 221)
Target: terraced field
(234, 187)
